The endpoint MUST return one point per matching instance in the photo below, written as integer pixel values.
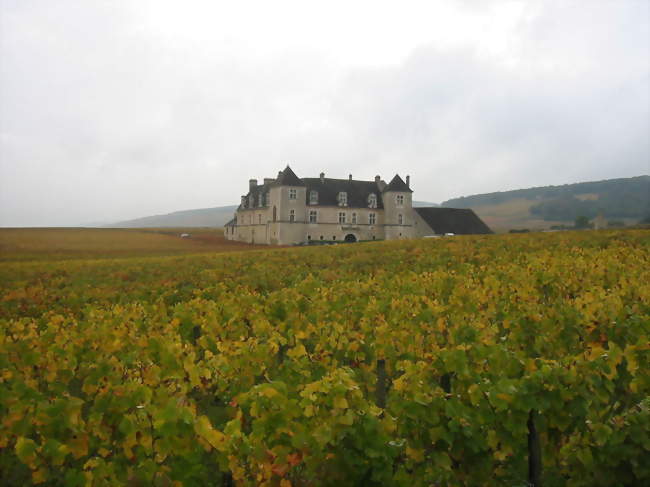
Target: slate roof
(230, 223)
(358, 191)
(328, 189)
(257, 191)
(397, 184)
(453, 220)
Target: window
(313, 216)
(341, 217)
(321, 237)
(293, 194)
(309, 237)
(259, 219)
(260, 200)
(399, 199)
(292, 215)
(342, 198)
(333, 237)
(354, 218)
(275, 213)
(313, 197)
(400, 219)
(251, 201)
(372, 200)
(266, 199)
(372, 218)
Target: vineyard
(489, 360)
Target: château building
(291, 210)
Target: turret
(398, 208)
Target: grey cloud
(101, 120)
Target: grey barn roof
(453, 220)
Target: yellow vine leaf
(214, 437)
(505, 397)
(39, 476)
(26, 451)
(340, 402)
(415, 454)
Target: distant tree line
(620, 198)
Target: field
(514, 213)
(488, 360)
(98, 243)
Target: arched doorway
(350, 238)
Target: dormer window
(251, 201)
(399, 199)
(343, 198)
(266, 199)
(313, 197)
(260, 200)
(293, 194)
(372, 200)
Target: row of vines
(492, 360)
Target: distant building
(290, 210)
(600, 222)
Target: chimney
(322, 177)
(252, 183)
(350, 178)
(268, 180)
(408, 182)
(377, 178)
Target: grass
(26, 244)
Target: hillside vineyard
(406, 363)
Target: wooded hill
(625, 199)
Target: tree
(582, 222)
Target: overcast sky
(111, 110)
